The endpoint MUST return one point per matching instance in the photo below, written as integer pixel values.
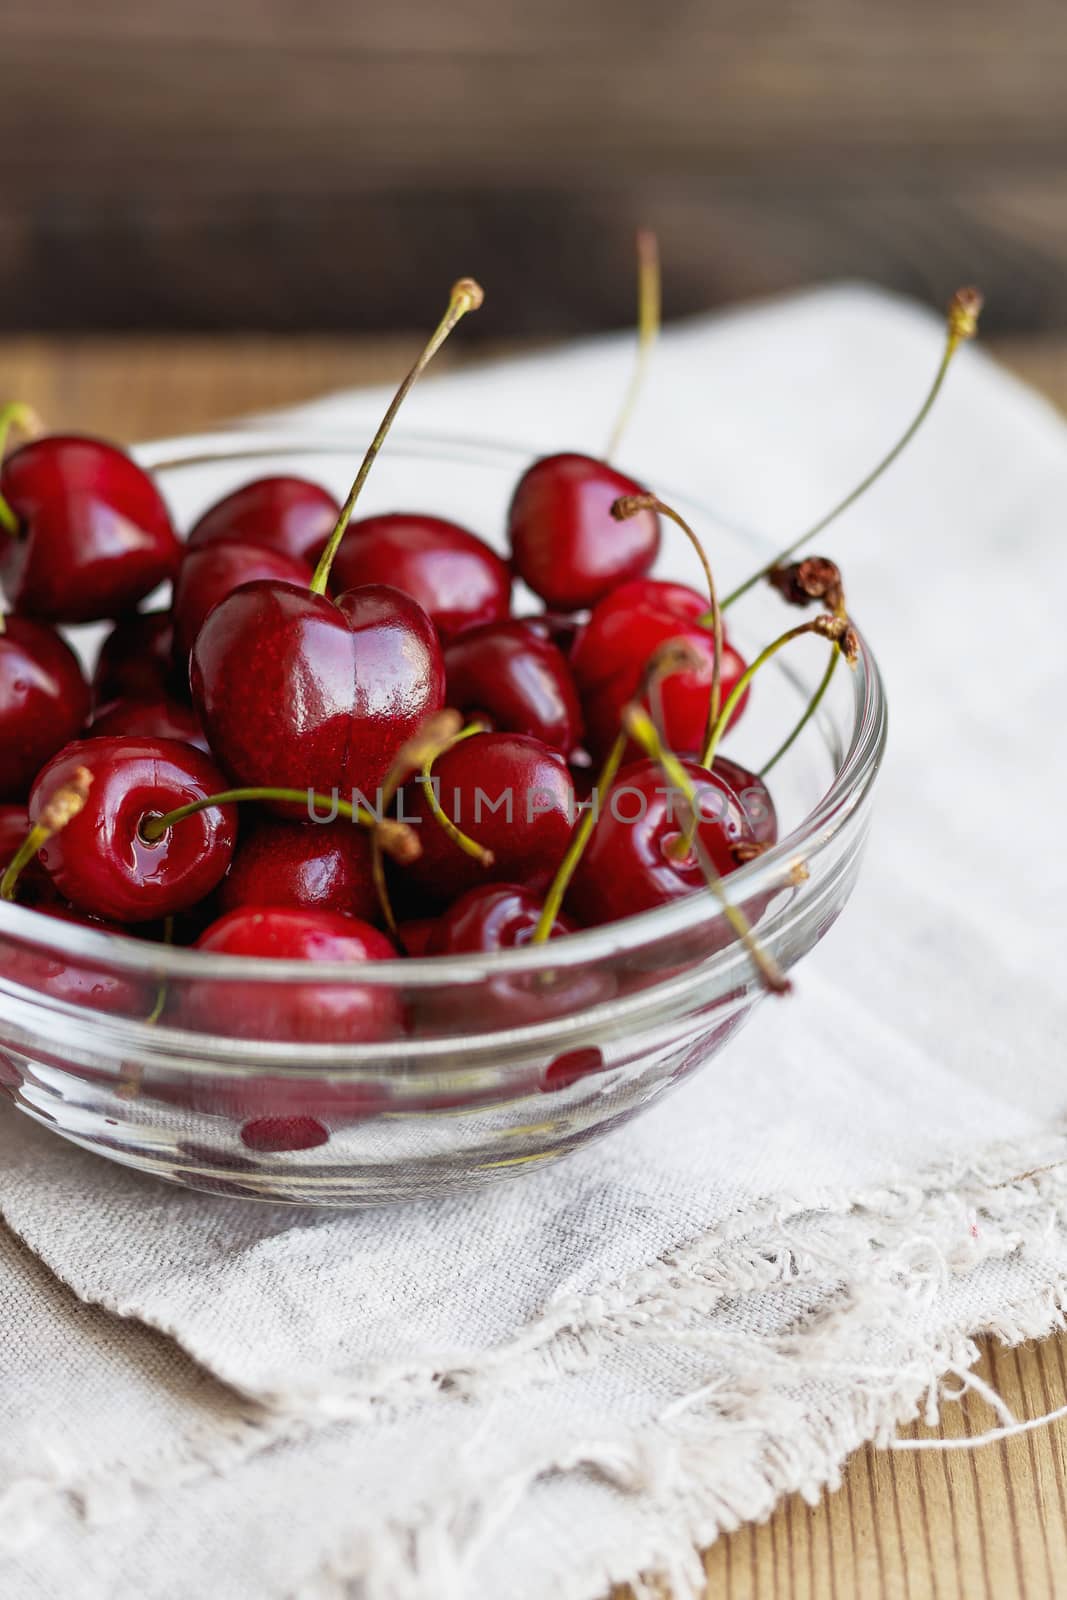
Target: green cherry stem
(649, 310)
(806, 715)
(625, 507)
(397, 839)
(61, 809)
(553, 901)
(438, 730)
(23, 417)
(641, 727)
(826, 625)
(466, 296)
(461, 840)
(962, 324)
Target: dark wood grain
(258, 164)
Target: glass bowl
(491, 1064)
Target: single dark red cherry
(453, 575)
(522, 683)
(94, 533)
(565, 543)
(318, 866)
(290, 515)
(570, 1068)
(35, 887)
(504, 916)
(508, 792)
(102, 862)
(209, 574)
(136, 660)
(495, 916)
(612, 654)
(44, 700)
(631, 862)
(345, 1013)
(156, 718)
(78, 980)
(271, 1135)
(298, 691)
(755, 797)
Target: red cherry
(136, 660)
(209, 574)
(415, 935)
(319, 866)
(94, 534)
(269, 1135)
(613, 651)
(496, 916)
(560, 628)
(522, 683)
(76, 980)
(628, 865)
(101, 861)
(35, 887)
(155, 718)
(348, 1012)
(570, 1068)
(289, 515)
(508, 792)
(755, 798)
(565, 543)
(453, 575)
(297, 691)
(44, 700)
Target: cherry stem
(649, 308)
(61, 809)
(396, 838)
(625, 507)
(809, 711)
(640, 726)
(435, 733)
(962, 324)
(463, 841)
(129, 1087)
(827, 625)
(553, 901)
(23, 417)
(467, 295)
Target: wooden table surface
(990, 1522)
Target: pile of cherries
(306, 651)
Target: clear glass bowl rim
(816, 832)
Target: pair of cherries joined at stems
(306, 652)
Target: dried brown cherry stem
(640, 726)
(627, 506)
(467, 295)
(961, 324)
(649, 311)
(63, 807)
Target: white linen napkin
(587, 1373)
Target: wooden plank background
(260, 164)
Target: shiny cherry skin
(348, 1013)
(560, 628)
(756, 800)
(94, 533)
(297, 691)
(522, 683)
(495, 916)
(290, 515)
(101, 862)
(565, 544)
(78, 980)
(156, 718)
(453, 575)
(209, 574)
(627, 866)
(512, 795)
(44, 701)
(613, 651)
(35, 887)
(415, 934)
(317, 866)
(136, 660)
